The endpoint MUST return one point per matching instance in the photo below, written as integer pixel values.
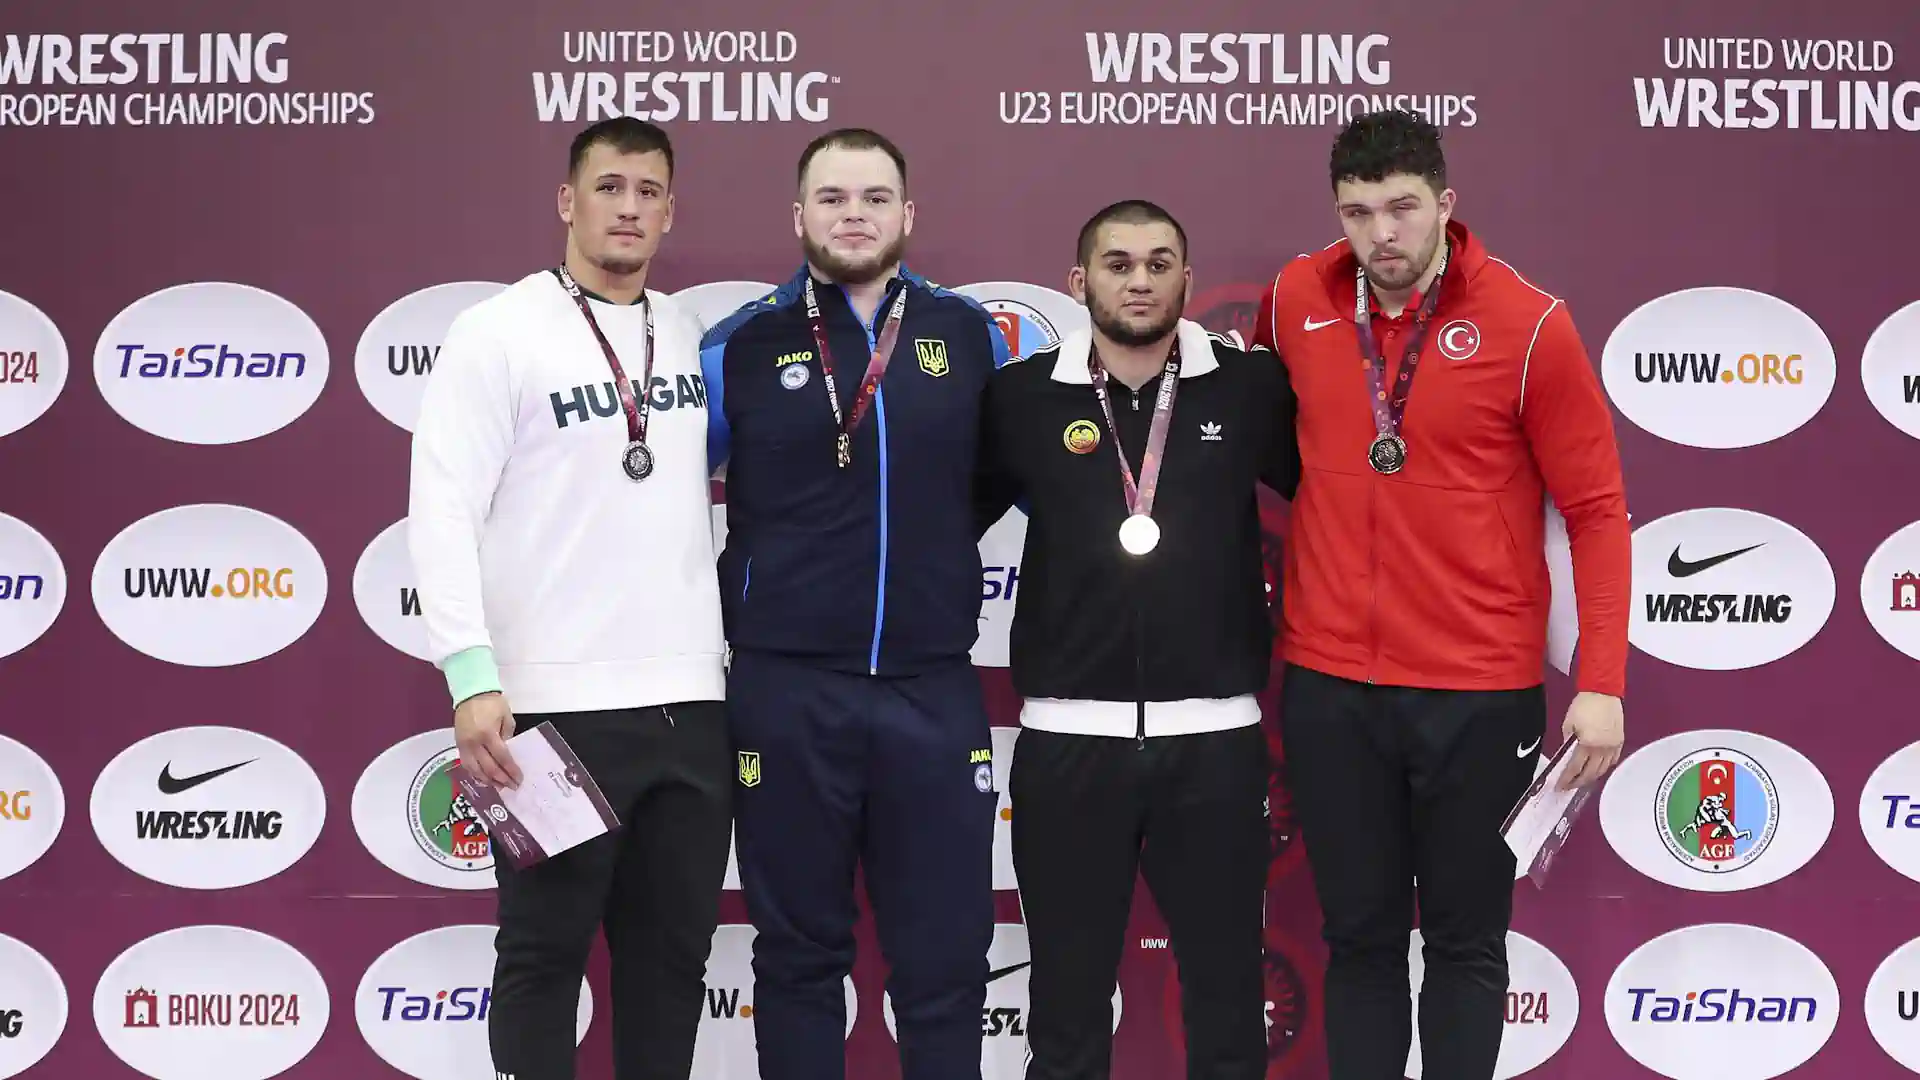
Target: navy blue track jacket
(874, 568)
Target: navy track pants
(892, 774)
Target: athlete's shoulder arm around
(1280, 463)
(713, 373)
(1569, 427)
(996, 486)
(462, 441)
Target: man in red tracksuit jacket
(1416, 591)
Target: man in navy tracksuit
(851, 591)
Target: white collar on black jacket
(1196, 354)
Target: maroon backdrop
(453, 178)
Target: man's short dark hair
(1388, 143)
(1126, 212)
(627, 134)
(852, 139)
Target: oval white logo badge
(423, 1005)
(1030, 317)
(211, 363)
(1893, 1004)
(33, 808)
(1543, 1004)
(1888, 373)
(211, 1003)
(1003, 1018)
(385, 592)
(398, 348)
(33, 1007)
(1718, 368)
(1721, 589)
(33, 585)
(412, 815)
(709, 303)
(209, 585)
(1716, 810)
(1890, 811)
(33, 363)
(1890, 590)
(1722, 1000)
(724, 1045)
(208, 807)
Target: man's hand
(482, 724)
(1595, 722)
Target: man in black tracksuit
(850, 586)
(1140, 641)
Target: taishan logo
(218, 361)
(1717, 1005)
(211, 363)
(200, 583)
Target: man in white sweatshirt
(560, 526)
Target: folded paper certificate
(557, 805)
(1540, 822)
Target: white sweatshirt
(543, 570)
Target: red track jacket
(1436, 576)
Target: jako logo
(33, 363)
(209, 585)
(1718, 368)
(1000, 551)
(208, 807)
(33, 807)
(412, 815)
(211, 363)
(422, 1006)
(397, 350)
(1716, 810)
(385, 592)
(1722, 1000)
(1722, 589)
(165, 1010)
(33, 585)
(1890, 811)
(33, 1014)
(1893, 1004)
(1543, 1004)
(1889, 369)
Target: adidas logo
(1209, 432)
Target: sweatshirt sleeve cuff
(470, 672)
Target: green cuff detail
(470, 672)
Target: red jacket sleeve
(1570, 428)
(1263, 321)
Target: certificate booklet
(557, 805)
(1539, 824)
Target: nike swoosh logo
(1679, 567)
(1000, 972)
(171, 785)
(1527, 749)
(1316, 324)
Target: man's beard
(862, 270)
(616, 266)
(1405, 279)
(1108, 322)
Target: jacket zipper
(1373, 581)
(880, 579)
